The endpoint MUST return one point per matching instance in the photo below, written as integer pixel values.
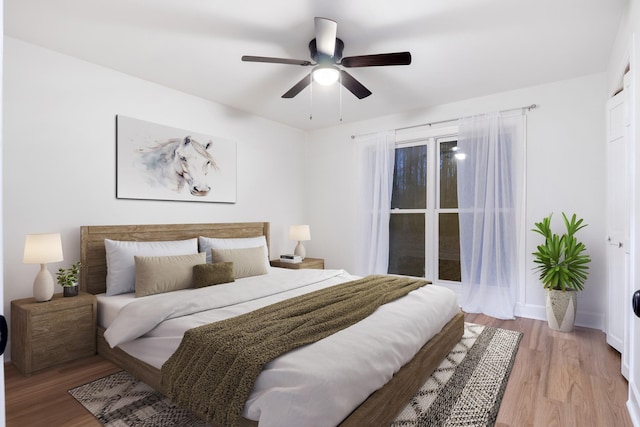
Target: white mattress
(109, 306)
(315, 385)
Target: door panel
(617, 208)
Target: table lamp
(42, 249)
(300, 233)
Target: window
(408, 208)
(423, 229)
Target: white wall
(59, 157)
(2, 310)
(59, 164)
(565, 172)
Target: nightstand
(44, 334)
(317, 263)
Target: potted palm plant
(68, 279)
(563, 267)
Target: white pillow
(121, 266)
(208, 243)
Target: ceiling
(460, 48)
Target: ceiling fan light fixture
(326, 75)
(326, 55)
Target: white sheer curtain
(377, 157)
(490, 200)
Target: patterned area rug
(465, 390)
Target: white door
(628, 220)
(633, 404)
(617, 218)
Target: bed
(379, 408)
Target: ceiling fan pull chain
(340, 89)
(310, 97)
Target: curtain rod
(526, 107)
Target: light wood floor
(558, 379)
(561, 379)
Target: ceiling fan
(326, 51)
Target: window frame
(431, 137)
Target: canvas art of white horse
(177, 163)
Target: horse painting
(179, 162)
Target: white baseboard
(590, 320)
(633, 405)
(583, 318)
(530, 311)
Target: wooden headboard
(93, 273)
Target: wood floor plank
(561, 379)
(42, 399)
(520, 397)
(609, 392)
(558, 379)
(552, 414)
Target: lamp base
(300, 250)
(43, 285)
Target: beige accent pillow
(121, 268)
(207, 243)
(212, 274)
(158, 274)
(246, 261)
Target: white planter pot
(561, 309)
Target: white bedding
(109, 306)
(315, 385)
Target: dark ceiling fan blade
(248, 58)
(354, 86)
(397, 58)
(297, 88)
(326, 31)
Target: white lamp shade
(299, 233)
(326, 75)
(42, 248)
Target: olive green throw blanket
(215, 367)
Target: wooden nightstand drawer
(317, 263)
(61, 322)
(46, 334)
(66, 346)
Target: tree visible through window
(423, 229)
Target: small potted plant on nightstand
(563, 267)
(68, 279)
